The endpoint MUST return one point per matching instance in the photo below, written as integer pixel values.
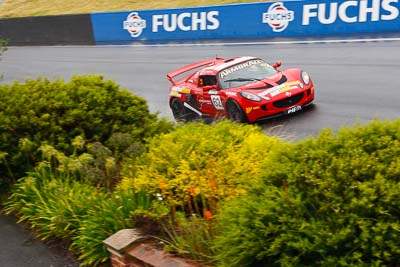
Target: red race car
(244, 89)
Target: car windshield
(245, 73)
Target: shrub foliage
(329, 201)
(192, 170)
(41, 111)
(223, 193)
(215, 161)
(52, 206)
(58, 206)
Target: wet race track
(354, 81)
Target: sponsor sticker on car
(250, 109)
(293, 109)
(274, 91)
(180, 90)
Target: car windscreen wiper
(242, 80)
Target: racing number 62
(216, 100)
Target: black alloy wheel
(235, 112)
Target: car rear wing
(190, 67)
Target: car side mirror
(277, 64)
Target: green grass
(28, 8)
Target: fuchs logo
(278, 17)
(134, 24)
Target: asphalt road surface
(18, 248)
(355, 82)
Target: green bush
(54, 207)
(110, 215)
(229, 189)
(80, 214)
(99, 165)
(190, 236)
(3, 48)
(329, 201)
(55, 112)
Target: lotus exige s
(244, 89)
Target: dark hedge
(329, 201)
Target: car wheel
(235, 112)
(180, 112)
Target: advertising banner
(253, 20)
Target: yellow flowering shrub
(207, 162)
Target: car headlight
(250, 96)
(305, 77)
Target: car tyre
(235, 112)
(180, 112)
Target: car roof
(221, 65)
(208, 67)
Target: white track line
(327, 41)
(186, 44)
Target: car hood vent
(262, 87)
(283, 79)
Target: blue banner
(253, 20)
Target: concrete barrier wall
(48, 30)
(285, 19)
